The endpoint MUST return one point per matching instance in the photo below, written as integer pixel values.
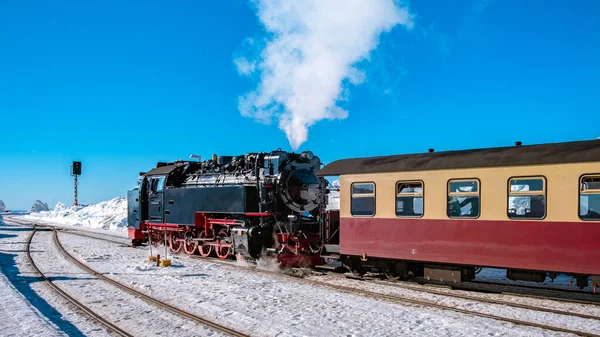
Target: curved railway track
(89, 234)
(366, 293)
(97, 317)
(143, 296)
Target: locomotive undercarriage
(229, 238)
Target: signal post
(76, 171)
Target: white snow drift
(110, 214)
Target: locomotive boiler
(252, 204)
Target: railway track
(491, 301)
(432, 304)
(97, 317)
(382, 296)
(559, 295)
(99, 236)
(409, 300)
(408, 285)
(530, 287)
(143, 296)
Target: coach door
(155, 199)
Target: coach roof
(570, 152)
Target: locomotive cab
(155, 190)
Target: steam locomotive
(252, 204)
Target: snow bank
(334, 195)
(334, 200)
(39, 206)
(2, 206)
(110, 214)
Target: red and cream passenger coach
(533, 210)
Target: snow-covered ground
(257, 304)
(21, 318)
(334, 200)
(110, 214)
(127, 311)
(264, 305)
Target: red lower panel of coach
(568, 247)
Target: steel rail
(143, 296)
(542, 297)
(397, 298)
(109, 325)
(72, 231)
(489, 300)
(536, 288)
(408, 300)
(403, 299)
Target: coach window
(409, 198)
(589, 198)
(363, 199)
(463, 198)
(527, 198)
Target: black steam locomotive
(251, 204)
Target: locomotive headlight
(308, 155)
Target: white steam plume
(312, 47)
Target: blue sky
(121, 85)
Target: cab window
(589, 198)
(409, 198)
(160, 184)
(463, 198)
(157, 184)
(527, 198)
(362, 199)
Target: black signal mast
(76, 171)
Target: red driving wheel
(174, 244)
(204, 250)
(223, 252)
(189, 246)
